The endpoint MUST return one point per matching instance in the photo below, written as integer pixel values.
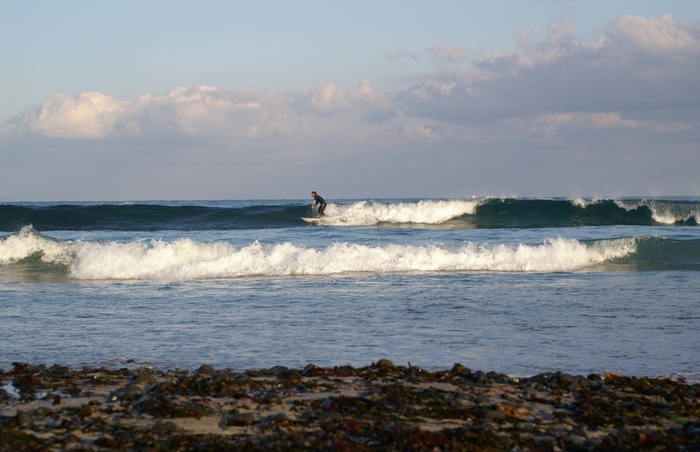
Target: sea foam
(366, 213)
(187, 259)
(664, 211)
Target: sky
(188, 100)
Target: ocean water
(519, 286)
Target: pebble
(24, 420)
(144, 379)
(85, 412)
(278, 418)
(206, 369)
(238, 419)
(132, 392)
(459, 369)
(272, 397)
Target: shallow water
(521, 324)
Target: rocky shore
(378, 407)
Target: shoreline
(376, 407)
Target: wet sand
(378, 407)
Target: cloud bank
(640, 72)
(637, 80)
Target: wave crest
(186, 259)
(367, 213)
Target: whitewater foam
(584, 203)
(367, 213)
(187, 259)
(28, 242)
(663, 211)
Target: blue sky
(216, 100)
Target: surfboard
(315, 220)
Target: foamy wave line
(27, 242)
(366, 213)
(663, 211)
(186, 259)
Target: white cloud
(640, 74)
(643, 70)
(360, 102)
(449, 53)
(402, 54)
(525, 38)
(200, 111)
(656, 36)
(548, 123)
(204, 111)
(89, 115)
(561, 34)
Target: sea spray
(366, 213)
(186, 259)
(28, 243)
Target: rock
(278, 418)
(278, 370)
(543, 379)
(238, 419)
(24, 420)
(132, 392)
(42, 412)
(206, 369)
(459, 369)
(501, 378)
(272, 397)
(105, 442)
(490, 413)
(167, 426)
(599, 402)
(478, 376)
(644, 383)
(20, 368)
(85, 412)
(566, 379)
(584, 382)
(57, 399)
(310, 369)
(384, 363)
(292, 378)
(241, 394)
(144, 379)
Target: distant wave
(531, 213)
(371, 213)
(456, 214)
(187, 259)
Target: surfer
(320, 202)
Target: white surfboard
(315, 220)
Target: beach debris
(377, 407)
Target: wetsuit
(321, 203)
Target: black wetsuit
(321, 203)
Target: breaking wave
(187, 259)
(454, 214)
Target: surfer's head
(313, 193)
